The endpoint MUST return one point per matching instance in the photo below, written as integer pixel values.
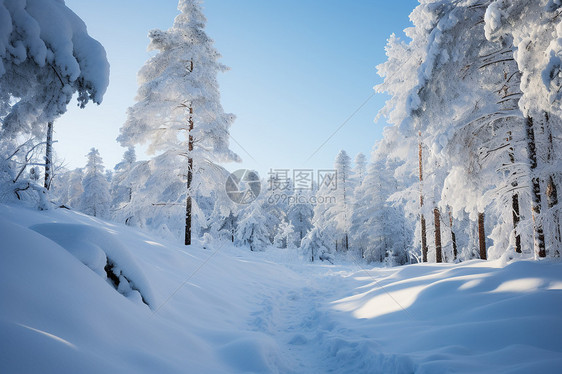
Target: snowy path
(293, 319)
(302, 322)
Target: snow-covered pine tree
(359, 170)
(133, 204)
(463, 106)
(314, 245)
(531, 30)
(227, 226)
(435, 103)
(60, 188)
(109, 175)
(380, 230)
(284, 236)
(358, 175)
(300, 217)
(121, 185)
(366, 217)
(480, 147)
(95, 199)
(75, 187)
(399, 81)
(344, 195)
(332, 207)
(253, 228)
(276, 202)
(178, 110)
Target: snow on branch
(46, 55)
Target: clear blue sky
(299, 69)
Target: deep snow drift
(167, 309)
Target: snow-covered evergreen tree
(285, 235)
(531, 31)
(340, 211)
(95, 199)
(461, 104)
(121, 185)
(132, 201)
(332, 211)
(278, 191)
(227, 226)
(75, 187)
(178, 111)
(300, 218)
(380, 230)
(359, 170)
(314, 245)
(253, 228)
(61, 187)
(398, 71)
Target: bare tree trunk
(514, 199)
(516, 218)
(453, 236)
(188, 207)
(482, 236)
(422, 218)
(540, 248)
(552, 201)
(551, 190)
(301, 230)
(49, 157)
(423, 239)
(438, 250)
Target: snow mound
(480, 316)
(100, 250)
(252, 354)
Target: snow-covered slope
(223, 310)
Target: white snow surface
(219, 309)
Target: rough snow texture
(269, 313)
(97, 248)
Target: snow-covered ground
(225, 310)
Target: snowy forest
(468, 169)
(439, 252)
